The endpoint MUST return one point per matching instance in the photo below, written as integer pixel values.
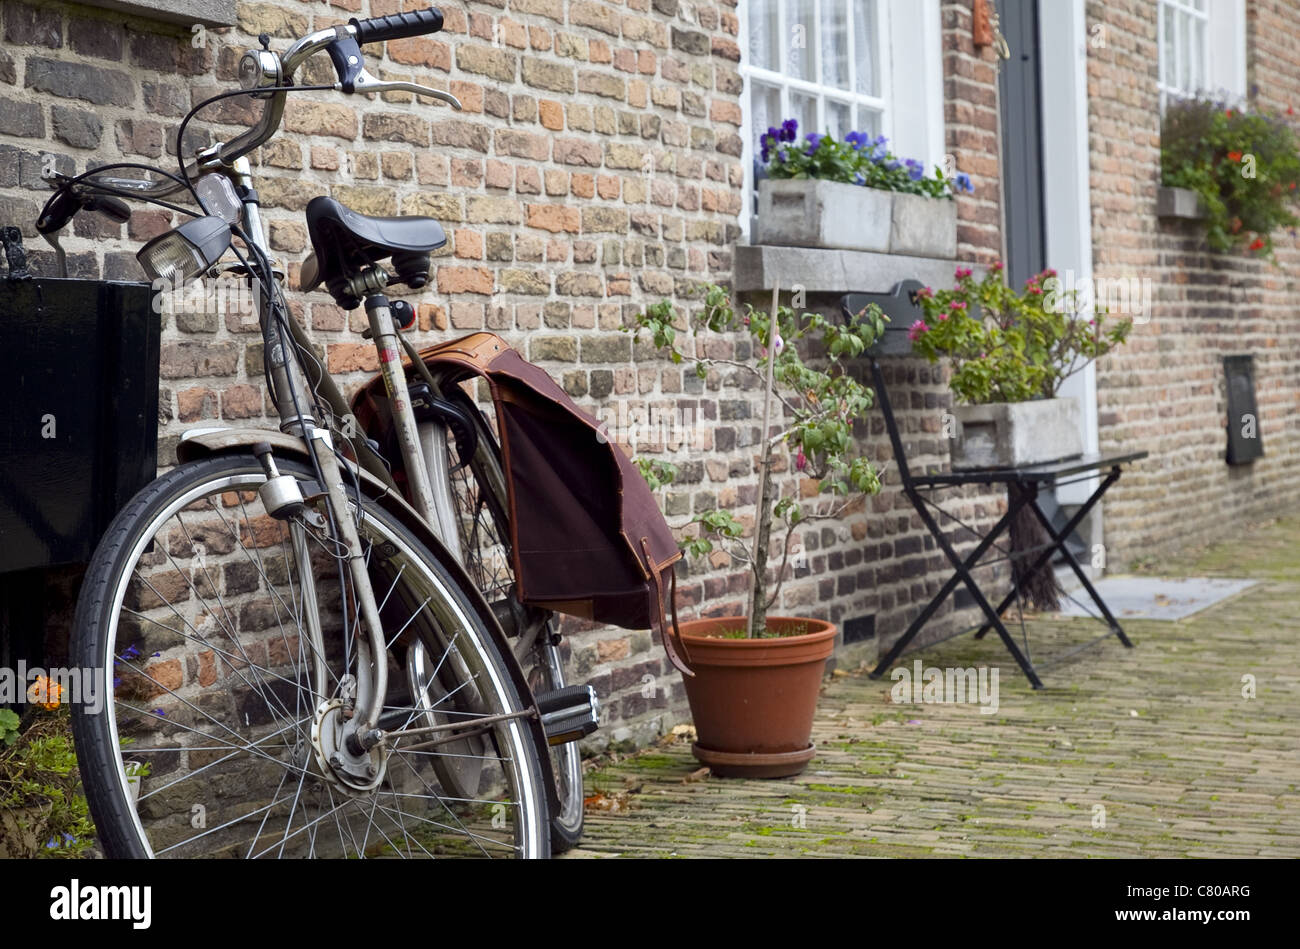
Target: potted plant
(1244, 167)
(853, 194)
(757, 676)
(1010, 351)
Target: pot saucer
(731, 764)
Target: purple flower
(915, 170)
(814, 140)
(894, 165)
(964, 183)
(789, 130)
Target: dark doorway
(1022, 142)
(1023, 173)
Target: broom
(1028, 540)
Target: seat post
(384, 333)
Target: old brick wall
(1164, 391)
(596, 168)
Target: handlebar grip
(398, 26)
(115, 209)
(61, 208)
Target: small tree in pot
(757, 676)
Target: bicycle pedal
(569, 713)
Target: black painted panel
(78, 413)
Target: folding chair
(1023, 485)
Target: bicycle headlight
(183, 254)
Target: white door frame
(1067, 208)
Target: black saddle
(344, 243)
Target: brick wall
(596, 168)
(1164, 392)
(558, 229)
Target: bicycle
(305, 647)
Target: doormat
(1154, 597)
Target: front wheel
(227, 647)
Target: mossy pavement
(1152, 751)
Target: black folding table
(1023, 485)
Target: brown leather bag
(587, 536)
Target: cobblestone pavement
(1158, 741)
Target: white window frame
(911, 84)
(1223, 49)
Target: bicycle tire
(137, 532)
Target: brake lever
(368, 83)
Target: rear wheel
(227, 698)
(479, 493)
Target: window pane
(764, 34)
(835, 44)
(1169, 47)
(868, 121)
(866, 37)
(1197, 55)
(804, 108)
(802, 32)
(1184, 53)
(839, 118)
(765, 106)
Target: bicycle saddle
(344, 243)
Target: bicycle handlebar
(398, 26)
(373, 30)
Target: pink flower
(997, 265)
(925, 293)
(918, 329)
(944, 316)
(958, 305)
(963, 273)
(800, 460)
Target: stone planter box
(830, 214)
(924, 227)
(1180, 203)
(1010, 434)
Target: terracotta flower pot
(753, 700)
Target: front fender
(227, 441)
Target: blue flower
(964, 183)
(814, 140)
(915, 170)
(893, 165)
(859, 179)
(789, 130)
(858, 140)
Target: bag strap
(661, 619)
